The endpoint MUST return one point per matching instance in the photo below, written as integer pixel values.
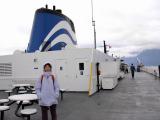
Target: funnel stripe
(57, 33)
(61, 25)
(61, 38)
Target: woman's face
(47, 68)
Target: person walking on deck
(47, 90)
(132, 68)
(155, 74)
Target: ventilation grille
(5, 69)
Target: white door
(81, 74)
(62, 73)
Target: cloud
(129, 26)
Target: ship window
(81, 66)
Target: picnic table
(21, 98)
(25, 86)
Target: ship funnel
(51, 31)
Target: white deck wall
(27, 68)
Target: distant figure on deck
(155, 74)
(132, 68)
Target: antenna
(94, 25)
(92, 10)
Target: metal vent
(5, 69)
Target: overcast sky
(129, 26)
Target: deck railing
(151, 70)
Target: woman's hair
(47, 64)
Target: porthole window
(81, 66)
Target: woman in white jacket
(47, 90)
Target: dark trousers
(132, 72)
(45, 112)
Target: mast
(94, 26)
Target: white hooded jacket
(47, 90)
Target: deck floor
(137, 99)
